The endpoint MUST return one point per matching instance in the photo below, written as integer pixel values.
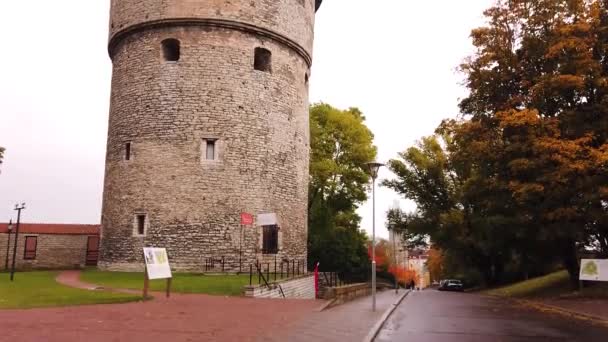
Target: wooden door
(92, 250)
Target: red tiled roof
(59, 229)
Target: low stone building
(49, 246)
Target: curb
(376, 329)
(326, 305)
(558, 310)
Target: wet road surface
(436, 316)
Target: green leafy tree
(341, 145)
(538, 83)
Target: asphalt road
(435, 316)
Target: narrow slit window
(140, 221)
(262, 60)
(171, 50)
(210, 149)
(128, 151)
(31, 244)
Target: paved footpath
(195, 318)
(179, 318)
(351, 321)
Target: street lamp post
(395, 260)
(18, 208)
(8, 243)
(373, 170)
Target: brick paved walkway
(180, 318)
(195, 318)
(351, 321)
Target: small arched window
(171, 50)
(262, 60)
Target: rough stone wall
(166, 109)
(301, 288)
(291, 18)
(52, 252)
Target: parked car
(451, 285)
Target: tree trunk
(570, 261)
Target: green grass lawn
(550, 286)
(39, 289)
(229, 285)
(532, 287)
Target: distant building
(401, 251)
(417, 260)
(50, 246)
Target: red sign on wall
(246, 219)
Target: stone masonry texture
(166, 110)
(53, 251)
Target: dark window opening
(171, 50)
(210, 149)
(128, 151)
(262, 60)
(306, 78)
(270, 240)
(141, 224)
(31, 243)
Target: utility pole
(8, 244)
(18, 208)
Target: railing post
(275, 268)
(223, 264)
(293, 268)
(250, 274)
(257, 267)
(298, 267)
(268, 271)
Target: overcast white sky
(394, 59)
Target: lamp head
(10, 226)
(373, 168)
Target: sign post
(594, 270)
(246, 220)
(157, 267)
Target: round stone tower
(208, 120)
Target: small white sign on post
(157, 263)
(594, 269)
(157, 267)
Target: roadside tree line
(519, 181)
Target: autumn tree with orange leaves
(522, 177)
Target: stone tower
(208, 119)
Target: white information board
(594, 269)
(157, 263)
(267, 219)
